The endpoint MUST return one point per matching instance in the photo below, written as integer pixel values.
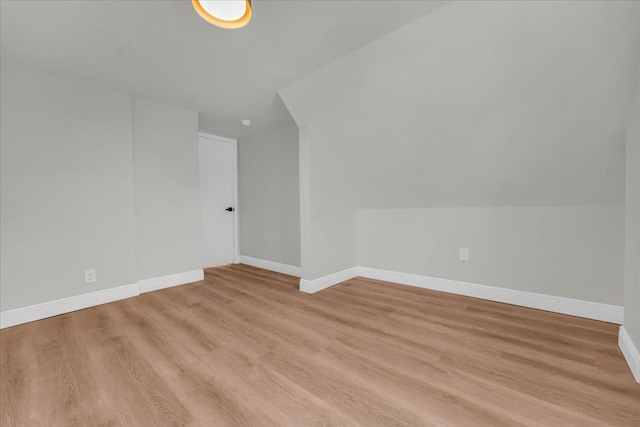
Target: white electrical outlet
(464, 254)
(89, 276)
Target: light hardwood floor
(244, 347)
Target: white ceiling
(481, 104)
(164, 51)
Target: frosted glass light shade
(224, 13)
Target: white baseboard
(157, 283)
(630, 352)
(271, 266)
(31, 313)
(65, 305)
(312, 286)
(574, 307)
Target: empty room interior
(306, 212)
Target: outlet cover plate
(89, 276)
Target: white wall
(67, 201)
(69, 198)
(327, 215)
(167, 189)
(632, 229)
(269, 195)
(482, 104)
(566, 251)
(496, 105)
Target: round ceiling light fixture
(224, 13)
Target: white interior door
(217, 194)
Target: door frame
(236, 222)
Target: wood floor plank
(476, 390)
(20, 383)
(245, 347)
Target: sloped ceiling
(482, 103)
(164, 51)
